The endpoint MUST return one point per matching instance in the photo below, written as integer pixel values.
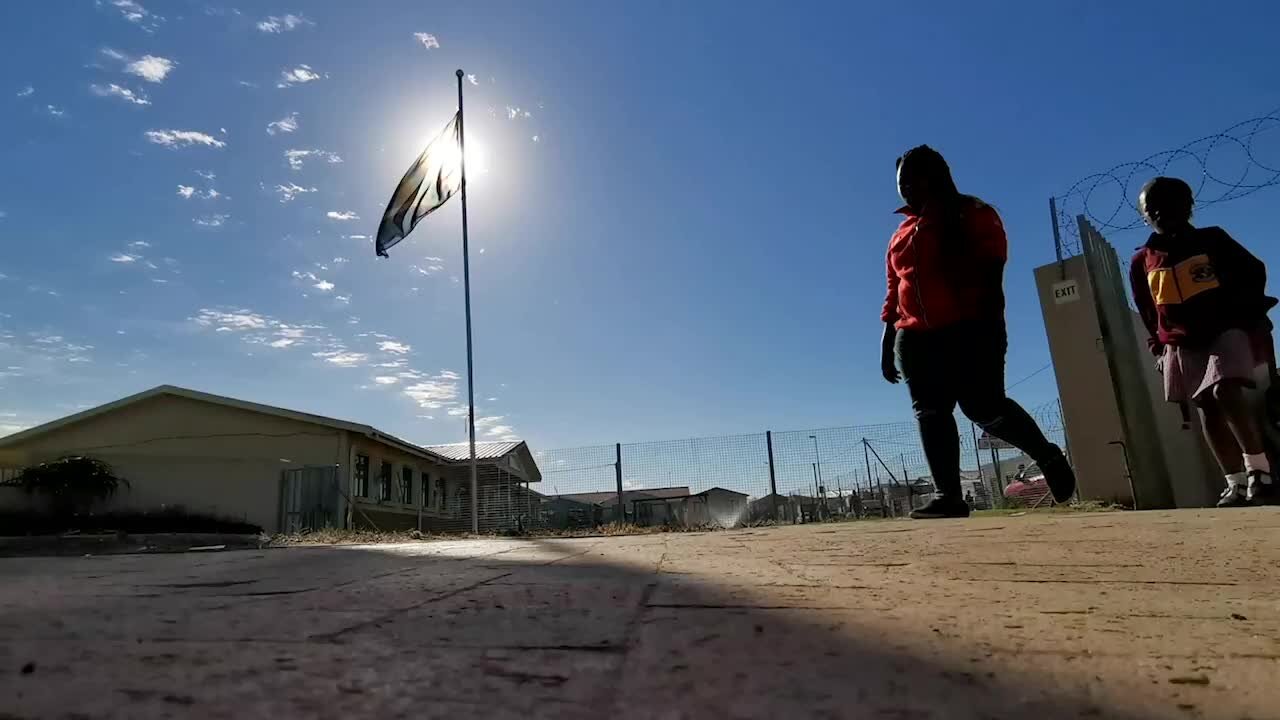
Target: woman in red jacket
(944, 322)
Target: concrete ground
(1141, 615)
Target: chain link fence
(792, 476)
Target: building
(714, 508)
(607, 503)
(1127, 444)
(280, 469)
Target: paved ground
(1120, 615)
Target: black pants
(963, 364)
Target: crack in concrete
(332, 637)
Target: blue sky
(678, 228)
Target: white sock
(1238, 480)
(1257, 462)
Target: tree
(70, 485)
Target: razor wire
(1224, 166)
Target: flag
(431, 180)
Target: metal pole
(866, 457)
(817, 456)
(617, 471)
(1057, 237)
(466, 289)
(995, 468)
(1066, 441)
(773, 478)
(977, 456)
(911, 505)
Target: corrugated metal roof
(484, 450)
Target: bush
(70, 485)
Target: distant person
(968, 498)
(944, 322)
(1203, 299)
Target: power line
(1016, 384)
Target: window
(426, 490)
(441, 500)
(384, 482)
(362, 476)
(406, 485)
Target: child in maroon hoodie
(1203, 299)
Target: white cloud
(186, 191)
(133, 12)
(393, 347)
(214, 220)
(286, 23)
(359, 237)
(473, 80)
(459, 411)
(286, 124)
(139, 244)
(151, 68)
(342, 358)
(234, 320)
(114, 54)
(55, 111)
(246, 83)
(281, 343)
(386, 380)
(343, 215)
(296, 157)
(490, 420)
(432, 394)
(206, 175)
(449, 375)
(183, 138)
(427, 39)
(114, 90)
(27, 91)
(535, 138)
(297, 76)
(500, 430)
(212, 194)
(290, 191)
(340, 260)
(124, 258)
(342, 298)
(323, 286)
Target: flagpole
(466, 288)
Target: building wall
(373, 511)
(206, 458)
(1089, 407)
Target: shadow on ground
(619, 627)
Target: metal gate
(309, 499)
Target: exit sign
(1065, 292)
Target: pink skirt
(1191, 372)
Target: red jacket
(932, 284)
(1192, 287)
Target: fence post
(773, 478)
(977, 456)
(1062, 423)
(866, 457)
(617, 468)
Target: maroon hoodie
(1193, 286)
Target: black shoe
(1060, 478)
(941, 507)
(1233, 497)
(1262, 489)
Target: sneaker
(1233, 496)
(1060, 478)
(1262, 491)
(943, 506)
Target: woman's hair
(926, 160)
(1170, 192)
